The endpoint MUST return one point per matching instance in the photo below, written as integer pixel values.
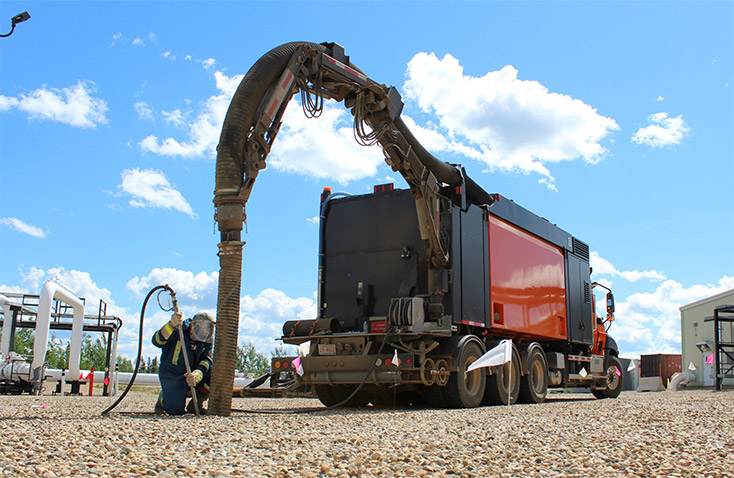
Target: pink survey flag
(710, 359)
(498, 355)
(298, 366)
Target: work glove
(176, 320)
(194, 377)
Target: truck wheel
(614, 379)
(331, 395)
(534, 385)
(499, 382)
(466, 389)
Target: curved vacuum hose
(140, 347)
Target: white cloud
(650, 322)
(262, 317)
(323, 147)
(175, 117)
(143, 110)
(663, 132)
(167, 54)
(313, 220)
(20, 226)
(209, 63)
(602, 266)
(75, 105)
(115, 37)
(659, 98)
(510, 124)
(203, 134)
(138, 42)
(195, 287)
(151, 188)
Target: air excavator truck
(414, 285)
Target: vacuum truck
(414, 285)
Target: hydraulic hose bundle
(250, 127)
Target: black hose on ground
(140, 347)
(337, 405)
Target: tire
(534, 385)
(614, 379)
(497, 384)
(331, 395)
(466, 390)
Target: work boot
(158, 410)
(202, 401)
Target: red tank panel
(527, 284)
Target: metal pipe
(52, 290)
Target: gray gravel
(687, 433)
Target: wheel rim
(612, 378)
(472, 380)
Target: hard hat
(202, 328)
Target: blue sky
(612, 120)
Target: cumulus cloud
(75, 105)
(650, 322)
(81, 284)
(508, 123)
(143, 110)
(262, 316)
(663, 131)
(200, 286)
(602, 266)
(151, 188)
(203, 134)
(20, 226)
(323, 147)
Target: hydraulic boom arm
(317, 71)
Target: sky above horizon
(612, 120)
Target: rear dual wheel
(504, 382)
(534, 385)
(466, 389)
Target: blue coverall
(173, 368)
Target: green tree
(23, 341)
(284, 351)
(249, 360)
(124, 364)
(94, 353)
(154, 367)
(57, 356)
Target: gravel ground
(687, 433)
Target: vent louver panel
(581, 249)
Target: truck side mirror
(610, 303)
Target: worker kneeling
(176, 382)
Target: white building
(697, 337)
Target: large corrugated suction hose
(230, 172)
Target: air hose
(140, 342)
